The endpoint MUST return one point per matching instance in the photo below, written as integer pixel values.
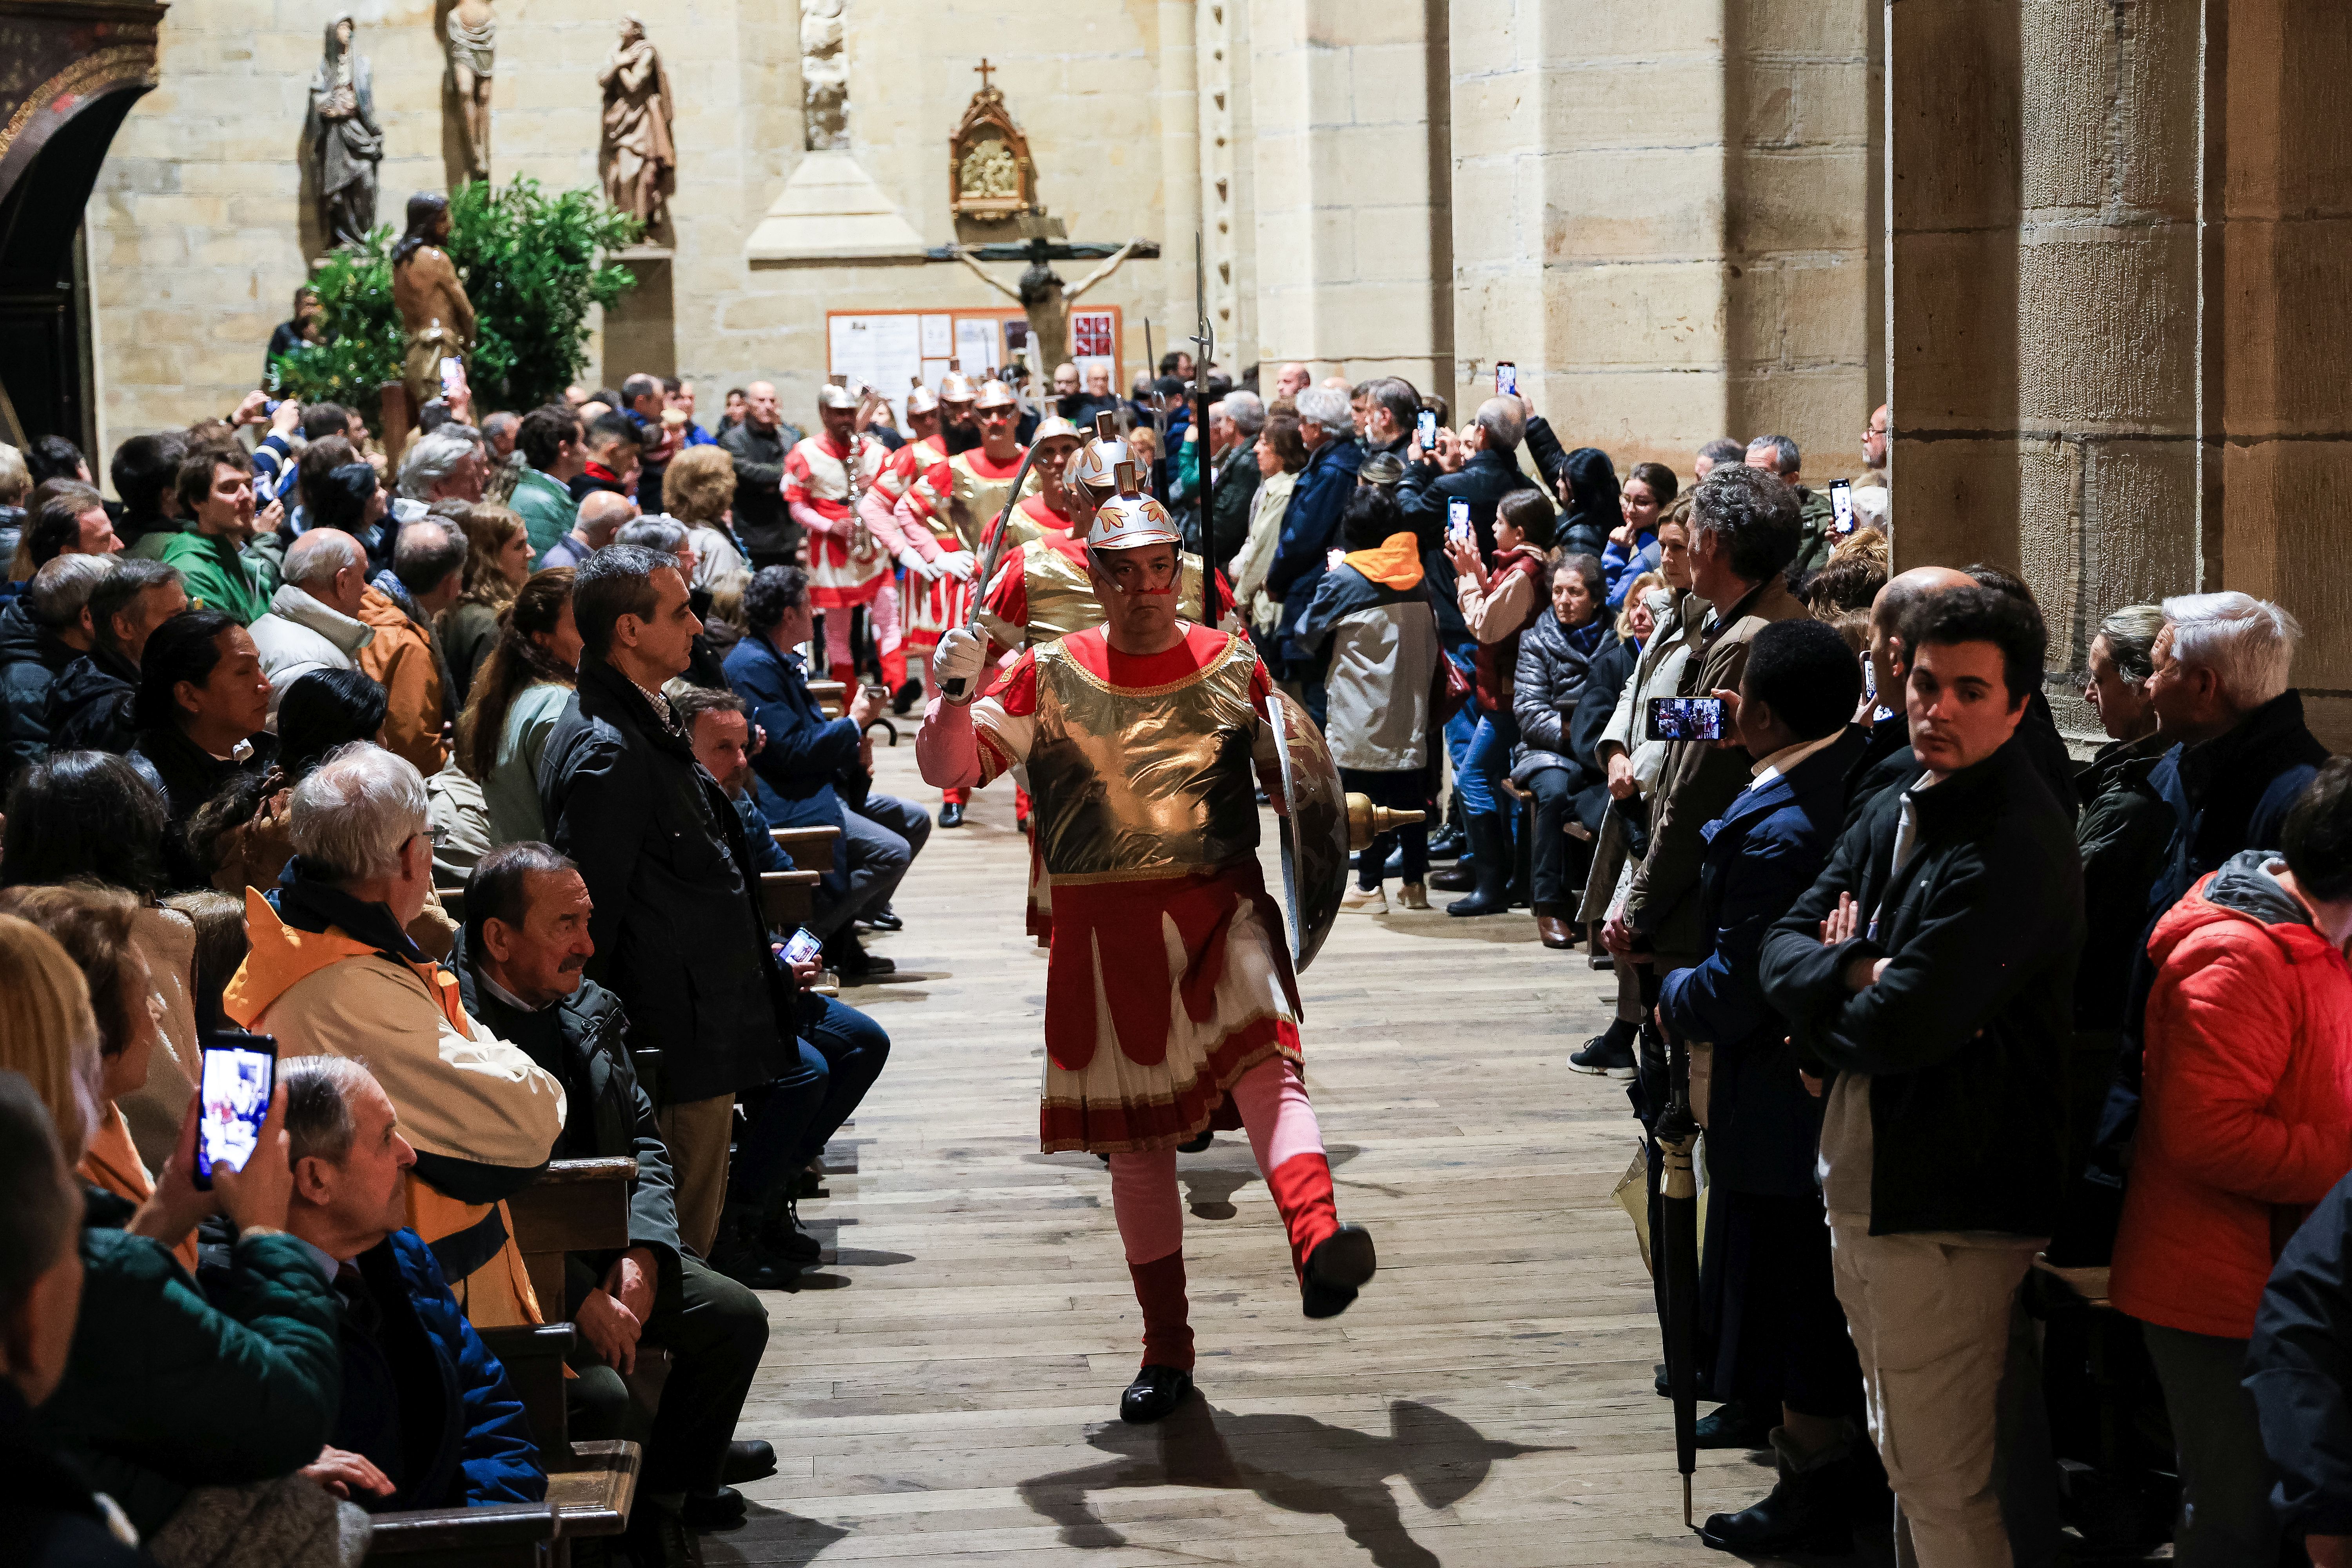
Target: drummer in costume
(881, 498)
(1171, 1002)
(941, 517)
(824, 477)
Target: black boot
(781, 1234)
(1156, 1392)
(737, 1252)
(1490, 851)
(1337, 1269)
(1732, 1424)
(1805, 1511)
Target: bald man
(603, 513)
(1295, 379)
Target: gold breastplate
(1062, 597)
(972, 503)
(1135, 782)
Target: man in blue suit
(1311, 528)
(818, 770)
(1781, 1337)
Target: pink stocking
(1288, 1145)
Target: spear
(1204, 343)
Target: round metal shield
(1314, 829)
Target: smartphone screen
(1507, 378)
(453, 375)
(234, 1087)
(1457, 518)
(1425, 428)
(1841, 505)
(1685, 718)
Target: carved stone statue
(1043, 299)
(341, 140)
(434, 310)
(636, 158)
(824, 75)
(472, 40)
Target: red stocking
(1302, 1191)
(1167, 1328)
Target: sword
(1205, 344)
(992, 544)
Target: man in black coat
(1930, 970)
(677, 932)
(759, 446)
(90, 704)
(519, 966)
(1481, 470)
(42, 630)
(2299, 1372)
(1781, 1349)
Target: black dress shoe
(1805, 1511)
(950, 814)
(723, 1509)
(1733, 1425)
(1156, 1392)
(854, 965)
(737, 1254)
(657, 1538)
(1195, 1145)
(886, 919)
(1337, 1269)
(1446, 843)
(1453, 878)
(748, 1460)
(904, 697)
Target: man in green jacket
(1779, 455)
(551, 446)
(216, 489)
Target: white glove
(917, 567)
(959, 563)
(962, 655)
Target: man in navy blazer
(1781, 1349)
(1311, 526)
(817, 770)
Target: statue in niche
(341, 140)
(637, 159)
(824, 75)
(434, 310)
(472, 40)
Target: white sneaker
(1365, 900)
(1413, 896)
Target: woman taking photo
(498, 564)
(519, 695)
(1498, 605)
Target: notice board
(884, 349)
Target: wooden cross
(984, 68)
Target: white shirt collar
(501, 993)
(328, 1265)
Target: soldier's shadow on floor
(770, 1536)
(1211, 1178)
(1294, 1462)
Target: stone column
(2089, 386)
(1347, 272)
(1658, 215)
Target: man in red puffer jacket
(2247, 1123)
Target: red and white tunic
(944, 509)
(847, 565)
(1169, 975)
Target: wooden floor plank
(945, 1386)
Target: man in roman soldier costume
(881, 498)
(824, 477)
(1170, 1001)
(941, 517)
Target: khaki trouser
(697, 1132)
(1930, 1320)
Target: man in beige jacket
(333, 973)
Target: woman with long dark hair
(324, 709)
(498, 564)
(518, 695)
(202, 708)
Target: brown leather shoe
(1555, 932)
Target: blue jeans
(842, 1052)
(1480, 773)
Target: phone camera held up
(1507, 379)
(234, 1084)
(1425, 429)
(1685, 718)
(1841, 506)
(1457, 520)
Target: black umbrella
(1677, 1135)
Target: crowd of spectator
(463, 789)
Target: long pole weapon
(1204, 343)
(991, 546)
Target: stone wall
(196, 226)
(1660, 214)
(2088, 388)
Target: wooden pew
(811, 848)
(787, 899)
(504, 1535)
(576, 1206)
(831, 697)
